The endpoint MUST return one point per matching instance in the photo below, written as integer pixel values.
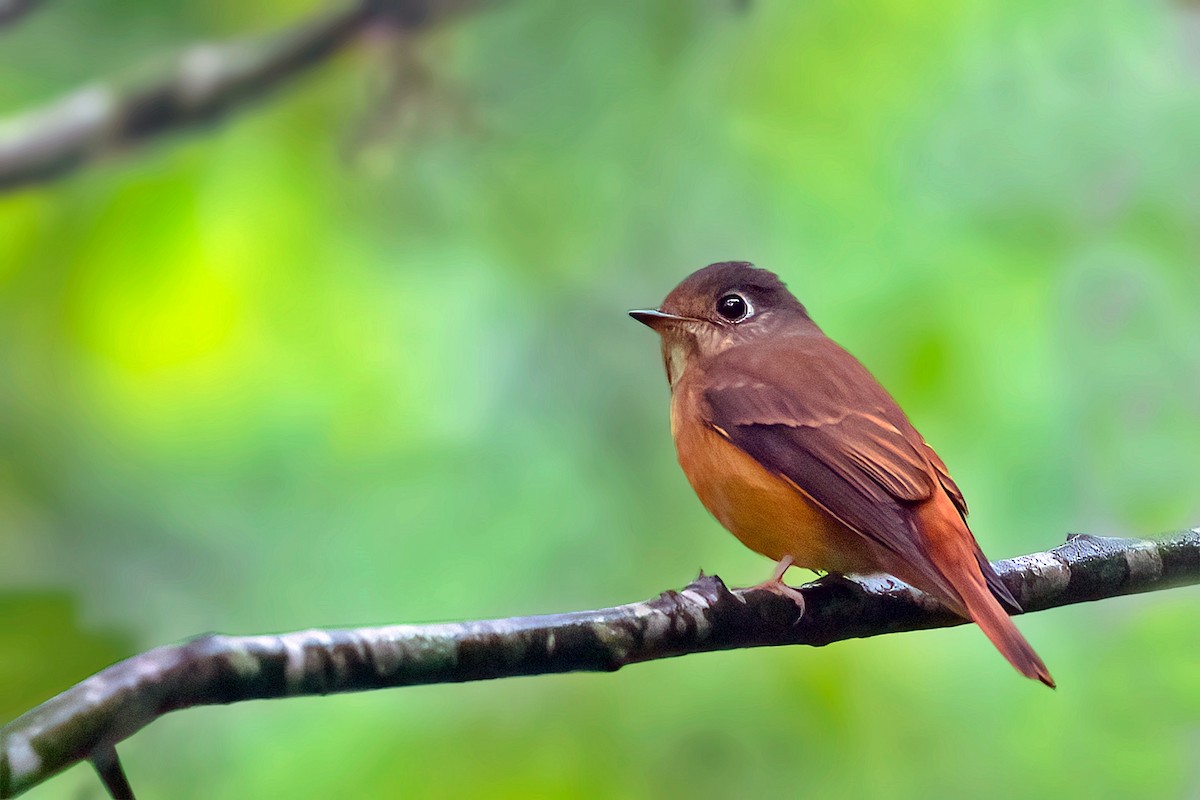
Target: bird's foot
(775, 584)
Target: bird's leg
(776, 585)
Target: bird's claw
(778, 587)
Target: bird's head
(719, 307)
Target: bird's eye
(733, 307)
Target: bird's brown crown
(709, 293)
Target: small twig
(112, 705)
(112, 775)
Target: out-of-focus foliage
(251, 381)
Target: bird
(795, 448)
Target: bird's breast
(766, 512)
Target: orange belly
(763, 510)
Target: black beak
(654, 318)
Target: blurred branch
(13, 10)
(203, 84)
(87, 721)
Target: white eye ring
(734, 307)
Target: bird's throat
(675, 357)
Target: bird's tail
(998, 626)
(957, 555)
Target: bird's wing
(944, 478)
(956, 496)
(808, 411)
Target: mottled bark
(86, 721)
(201, 85)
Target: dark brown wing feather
(993, 580)
(947, 482)
(807, 410)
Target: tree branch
(204, 83)
(87, 721)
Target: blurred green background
(270, 376)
